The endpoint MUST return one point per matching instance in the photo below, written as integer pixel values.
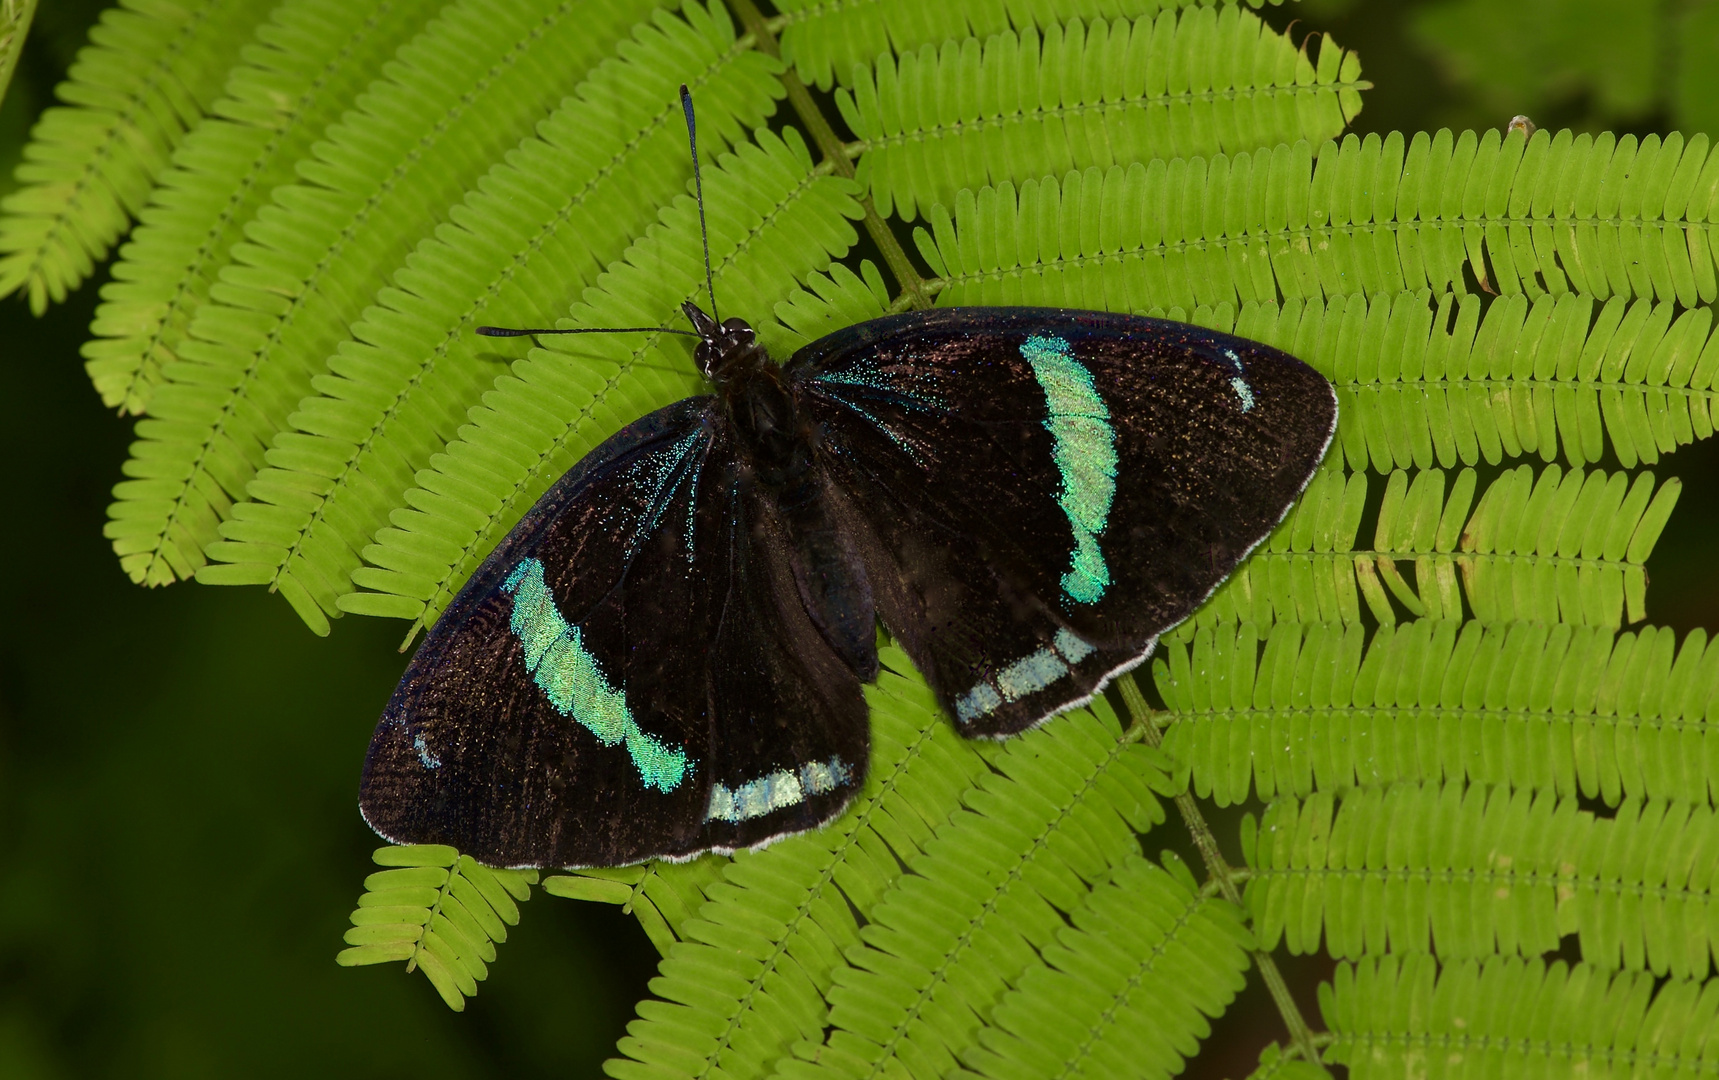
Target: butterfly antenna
(703, 231)
(698, 186)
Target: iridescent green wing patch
(570, 678)
(1085, 456)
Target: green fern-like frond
(1056, 816)
(440, 912)
(1534, 707)
(1127, 986)
(824, 39)
(453, 102)
(531, 236)
(1422, 376)
(1569, 546)
(150, 72)
(1520, 378)
(278, 101)
(1564, 546)
(1483, 871)
(662, 896)
(936, 122)
(830, 301)
(774, 219)
(1523, 216)
(747, 975)
(1393, 1016)
(1275, 1064)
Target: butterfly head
(725, 349)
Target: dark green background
(179, 839)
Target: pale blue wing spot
(1030, 674)
(428, 759)
(570, 678)
(822, 776)
(776, 791)
(1027, 675)
(1238, 383)
(977, 702)
(1073, 648)
(1085, 454)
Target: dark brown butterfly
(665, 656)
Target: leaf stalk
(1301, 1036)
(835, 154)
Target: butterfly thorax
(774, 438)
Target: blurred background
(179, 834)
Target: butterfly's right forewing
(1040, 493)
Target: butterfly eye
(723, 344)
(706, 356)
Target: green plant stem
(835, 153)
(1300, 1035)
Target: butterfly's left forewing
(1040, 493)
(599, 692)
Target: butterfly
(665, 655)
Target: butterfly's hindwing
(791, 742)
(1040, 493)
(594, 694)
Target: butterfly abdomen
(831, 577)
(775, 440)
